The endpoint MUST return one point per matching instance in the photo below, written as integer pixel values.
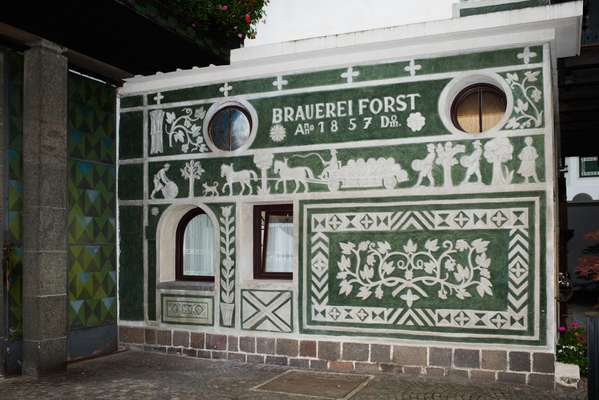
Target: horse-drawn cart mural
(359, 173)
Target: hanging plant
(230, 21)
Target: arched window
(194, 256)
(478, 108)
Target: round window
(230, 128)
(478, 108)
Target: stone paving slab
(135, 375)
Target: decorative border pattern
(227, 269)
(187, 310)
(518, 321)
(267, 310)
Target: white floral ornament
(527, 112)
(416, 121)
(183, 129)
(277, 133)
(452, 267)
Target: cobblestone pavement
(135, 375)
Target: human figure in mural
(446, 158)
(156, 121)
(164, 185)
(424, 167)
(528, 161)
(329, 166)
(472, 163)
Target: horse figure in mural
(296, 174)
(243, 177)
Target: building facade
(383, 200)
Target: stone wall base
(512, 367)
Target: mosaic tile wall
(91, 199)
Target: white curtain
(279, 249)
(198, 247)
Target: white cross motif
(412, 67)
(280, 82)
(224, 89)
(158, 97)
(350, 74)
(526, 55)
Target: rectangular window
(273, 241)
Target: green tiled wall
(91, 203)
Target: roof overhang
(559, 24)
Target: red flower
(248, 19)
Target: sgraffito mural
(390, 267)
(405, 228)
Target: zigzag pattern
(412, 220)
(319, 268)
(412, 317)
(518, 267)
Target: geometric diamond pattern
(91, 204)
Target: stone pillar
(44, 209)
(3, 217)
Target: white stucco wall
(577, 185)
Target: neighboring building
(58, 286)
(381, 200)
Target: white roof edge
(560, 24)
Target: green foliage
(228, 20)
(572, 346)
(233, 18)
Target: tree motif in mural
(527, 109)
(446, 158)
(186, 131)
(193, 170)
(263, 160)
(497, 152)
(453, 268)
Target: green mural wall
(131, 256)
(91, 203)
(406, 227)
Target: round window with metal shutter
(478, 108)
